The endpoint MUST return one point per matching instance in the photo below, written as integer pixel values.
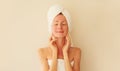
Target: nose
(60, 26)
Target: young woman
(59, 55)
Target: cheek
(65, 30)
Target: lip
(60, 31)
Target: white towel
(60, 64)
(54, 11)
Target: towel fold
(54, 11)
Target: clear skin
(59, 48)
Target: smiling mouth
(60, 31)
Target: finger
(50, 37)
(53, 40)
(68, 38)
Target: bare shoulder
(75, 49)
(42, 51)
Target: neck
(60, 42)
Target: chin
(59, 35)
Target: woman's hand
(52, 44)
(67, 44)
(66, 55)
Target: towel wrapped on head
(53, 12)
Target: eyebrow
(57, 21)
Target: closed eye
(64, 23)
(56, 24)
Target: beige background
(96, 30)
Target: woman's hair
(60, 13)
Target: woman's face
(59, 26)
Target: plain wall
(95, 29)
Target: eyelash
(55, 24)
(62, 24)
